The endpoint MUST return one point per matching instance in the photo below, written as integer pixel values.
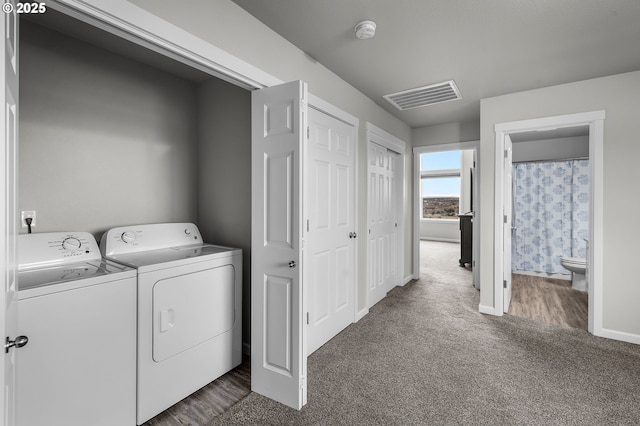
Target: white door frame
(130, 22)
(595, 121)
(417, 211)
(387, 140)
(9, 51)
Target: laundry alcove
(112, 133)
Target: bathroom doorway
(550, 225)
(504, 224)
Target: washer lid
(52, 279)
(174, 256)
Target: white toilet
(578, 268)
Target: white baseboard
(407, 279)
(489, 310)
(246, 348)
(618, 335)
(443, 240)
(361, 314)
(566, 277)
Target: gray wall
(551, 149)
(224, 175)
(446, 133)
(618, 96)
(228, 27)
(104, 141)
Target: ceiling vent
(423, 96)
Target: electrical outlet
(26, 214)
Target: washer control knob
(128, 237)
(187, 231)
(71, 243)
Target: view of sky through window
(444, 186)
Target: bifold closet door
(278, 341)
(383, 221)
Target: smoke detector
(365, 30)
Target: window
(440, 184)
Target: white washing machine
(79, 314)
(189, 309)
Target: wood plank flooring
(550, 300)
(210, 401)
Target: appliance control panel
(136, 238)
(54, 248)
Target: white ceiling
(489, 47)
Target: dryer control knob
(71, 243)
(128, 237)
(187, 231)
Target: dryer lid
(174, 256)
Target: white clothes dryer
(189, 309)
(79, 314)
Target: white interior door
(330, 241)
(278, 340)
(8, 219)
(383, 221)
(508, 229)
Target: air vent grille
(423, 96)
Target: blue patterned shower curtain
(550, 213)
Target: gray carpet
(424, 355)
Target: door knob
(18, 343)
(292, 264)
(352, 235)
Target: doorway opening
(504, 225)
(446, 182)
(550, 225)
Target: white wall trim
(386, 139)
(454, 146)
(417, 213)
(443, 240)
(139, 26)
(321, 105)
(595, 120)
(619, 335)
(596, 226)
(361, 314)
(489, 310)
(406, 280)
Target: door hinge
(505, 218)
(504, 283)
(307, 225)
(474, 164)
(307, 132)
(307, 318)
(506, 153)
(473, 263)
